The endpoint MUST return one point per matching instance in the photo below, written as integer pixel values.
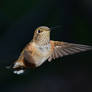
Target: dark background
(19, 18)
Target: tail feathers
(21, 71)
(18, 64)
(17, 68)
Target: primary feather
(64, 48)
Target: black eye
(39, 31)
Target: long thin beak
(55, 27)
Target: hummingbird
(41, 48)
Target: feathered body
(41, 48)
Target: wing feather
(64, 48)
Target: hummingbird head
(42, 35)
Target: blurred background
(19, 18)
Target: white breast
(45, 50)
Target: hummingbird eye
(39, 31)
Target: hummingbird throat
(42, 40)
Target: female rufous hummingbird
(41, 48)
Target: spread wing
(64, 48)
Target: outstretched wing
(64, 48)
